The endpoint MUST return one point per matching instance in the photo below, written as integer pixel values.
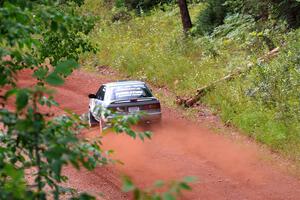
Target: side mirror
(92, 96)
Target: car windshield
(125, 92)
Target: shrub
(251, 34)
(235, 26)
(140, 5)
(211, 17)
(263, 11)
(278, 84)
(288, 10)
(121, 15)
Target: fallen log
(269, 55)
(203, 90)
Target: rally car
(123, 98)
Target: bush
(288, 10)
(139, 5)
(121, 15)
(260, 11)
(278, 83)
(211, 17)
(235, 26)
(251, 34)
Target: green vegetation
(30, 142)
(174, 189)
(140, 4)
(211, 17)
(264, 102)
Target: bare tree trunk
(185, 15)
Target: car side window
(101, 93)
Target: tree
(185, 16)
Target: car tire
(92, 121)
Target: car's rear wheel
(92, 121)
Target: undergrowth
(152, 47)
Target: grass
(152, 48)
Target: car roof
(123, 83)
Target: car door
(97, 103)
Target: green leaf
(85, 196)
(131, 133)
(66, 67)
(148, 134)
(54, 79)
(185, 186)
(156, 197)
(56, 166)
(110, 152)
(54, 26)
(137, 194)
(40, 73)
(141, 136)
(10, 93)
(127, 185)
(12, 172)
(159, 183)
(168, 196)
(22, 99)
(189, 179)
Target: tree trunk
(185, 15)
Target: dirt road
(226, 168)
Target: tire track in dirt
(226, 169)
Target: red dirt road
(233, 169)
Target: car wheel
(92, 121)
